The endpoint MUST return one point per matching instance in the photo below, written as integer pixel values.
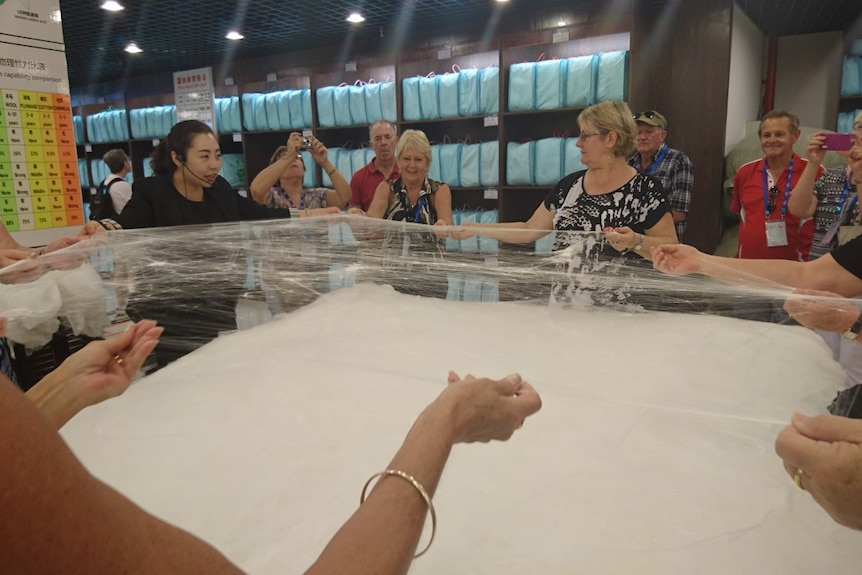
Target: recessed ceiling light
(561, 23)
(501, 1)
(234, 35)
(112, 6)
(356, 18)
(132, 48)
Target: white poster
(40, 193)
(195, 97)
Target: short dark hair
(115, 159)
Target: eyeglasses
(773, 193)
(586, 136)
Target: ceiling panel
(184, 35)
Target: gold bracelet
(332, 171)
(419, 487)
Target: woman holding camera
(831, 197)
(280, 184)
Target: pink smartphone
(841, 142)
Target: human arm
(382, 535)
(99, 371)
(828, 451)
(443, 205)
(338, 196)
(355, 192)
(822, 310)
(624, 239)
(377, 209)
(803, 201)
(823, 274)
(538, 226)
(57, 515)
(267, 178)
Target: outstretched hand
(676, 259)
(825, 311)
(99, 371)
(825, 453)
(487, 409)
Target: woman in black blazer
(185, 190)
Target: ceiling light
(112, 6)
(561, 23)
(234, 35)
(501, 1)
(356, 18)
(132, 48)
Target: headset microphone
(182, 159)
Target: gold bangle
(419, 487)
(332, 171)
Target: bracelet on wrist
(332, 171)
(422, 492)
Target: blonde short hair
(616, 117)
(857, 119)
(415, 140)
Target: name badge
(776, 234)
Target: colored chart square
(63, 121)
(73, 202)
(66, 138)
(58, 203)
(34, 154)
(30, 119)
(7, 190)
(36, 170)
(52, 154)
(24, 205)
(4, 154)
(7, 206)
(39, 187)
(32, 137)
(44, 220)
(26, 222)
(61, 100)
(75, 218)
(59, 219)
(11, 223)
(41, 204)
(49, 137)
(52, 172)
(14, 136)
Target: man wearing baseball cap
(671, 167)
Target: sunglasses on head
(649, 115)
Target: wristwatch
(855, 329)
(640, 243)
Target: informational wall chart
(39, 185)
(38, 165)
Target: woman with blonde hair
(413, 197)
(609, 196)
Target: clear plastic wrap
(652, 454)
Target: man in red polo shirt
(761, 190)
(364, 182)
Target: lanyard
(657, 161)
(289, 201)
(840, 207)
(786, 189)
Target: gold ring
(118, 359)
(797, 478)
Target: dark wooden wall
(680, 66)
